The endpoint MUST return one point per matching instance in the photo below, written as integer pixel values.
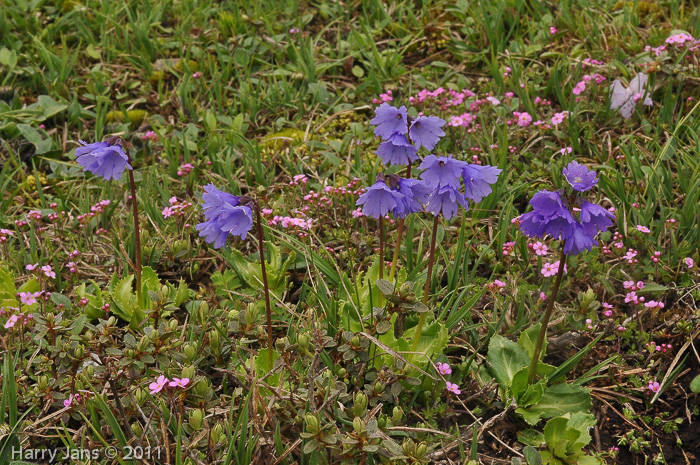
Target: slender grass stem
(547, 316)
(426, 288)
(399, 236)
(268, 311)
(397, 248)
(381, 247)
(137, 232)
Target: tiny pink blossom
(453, 388)
(654, 386)
(71, 398)
(643, 229)
(689, 262)
(48, 271)
(158, 385)
(444, 368)
(524, 119)
(32, 267)
(179, 382)
(540, 248)
(11, 322)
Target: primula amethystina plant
(108, 160)
(103, 159)
(227, 214)
(395, 195)
(444, 176)
(569, 218)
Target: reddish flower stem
(547, 316)
(268, 310)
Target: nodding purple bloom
(426, 131)
(594, 218)
(550, 215)
(446, 200)
(390, 120)
(397, 150)
(415, 195)
(580, 178)
(442, 171)
(224, 215)
(102, 159)
(578, 240)
(379, 199)
(478, 180)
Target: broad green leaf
(528, 339)
(695, 384)
(558, 399)
(505, 358)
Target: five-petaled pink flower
(444, 368)
(179, 382)
(453, 388)
(654, 386)
(158, 385)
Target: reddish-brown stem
(137, 233)
(266, 287)
(426, 288)
(547, 316)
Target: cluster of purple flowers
(224, 214)
(570, 218)
(392, 125)
(440, 186)
(102, 159)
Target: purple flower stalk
(397, 150)
(102, 159)
(224, 215)
(426, 131)
(580, 178)
(390, 120)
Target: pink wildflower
(453, 388)
(444, 368)
(158, 385)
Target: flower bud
(136, 429)
(141, 396)
(43, 382)
(358, 425)
(143, 343)
(311, 422)
(217, 433)
(397, 415)
(188, 372)
(215, 342)
(196, 419)
(190, 352)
